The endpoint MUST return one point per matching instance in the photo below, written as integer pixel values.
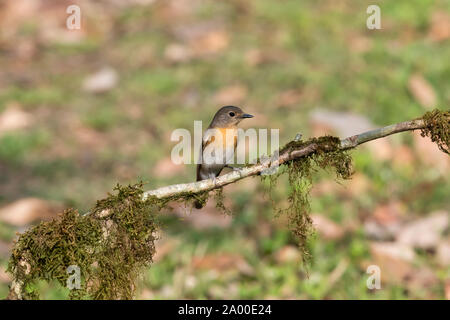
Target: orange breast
(232, 137)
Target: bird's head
(229, 116)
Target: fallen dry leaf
(390, 213)
(287, 254)
(254, 57)
(422, 91)
(165, 168)
(393, 259)
(14, 13)
(289, 98)
(101, 81)
(25, 211)
(376, 231)
(177, 53)
(357, 185)
(223, 262)
(424, 233)
(440, 26)
(211, 42)
(359, 43)
(325, 187)
(232, 95)
(443, 253)
(429, 153)
(327, 229)
(385, 221)
(447, 289)
(13, 118)
(164, 246)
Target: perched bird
(220, 139)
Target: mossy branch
(115, 239)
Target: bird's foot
(233, 168)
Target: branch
(284, 157)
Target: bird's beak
(246, 115)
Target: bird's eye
(232, 114)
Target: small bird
(224, 128)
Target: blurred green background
(81, 110)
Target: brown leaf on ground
(403, 156)
(359, 43)
(166, 168)
(177, 53)
(223, 262)
(101, 81)
(385, 221)
(254, 57)
(327, 229)
(287, 254)
(424, 233)
(163, 247)
(396, 263)
(175, 10)
(25, 211)
(357, 185)
(325, 187)
(146, 294)
(13, 118)
(289, 98)
(88, 137)
(422, 91)
(395, 260)
(440, 26)
(390, 213)
(443, 253)
(447, 289)
(429, 153)
(231, 95)
(212, 42)
(14, 13)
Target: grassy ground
(280, 60)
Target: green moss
(326, 155)
(438, 128)
(51, 247)
(110, 249)
(219, 199)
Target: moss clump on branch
(438, 128)
(327, 154)
(110, 249)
